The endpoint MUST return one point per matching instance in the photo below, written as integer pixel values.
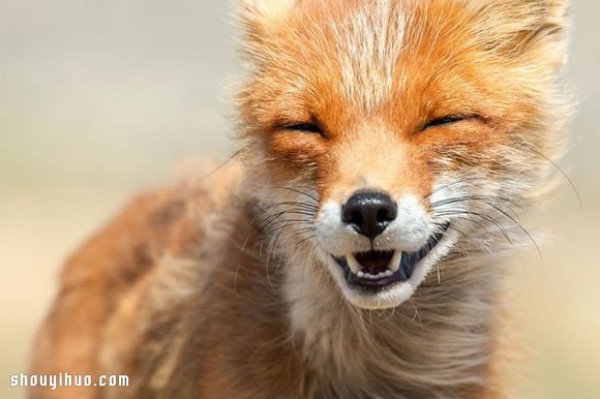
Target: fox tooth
(355, 267)
(394, 265)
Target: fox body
(352, 248)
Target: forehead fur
(372, 51)
(495, 23)
(358, 39)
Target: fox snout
(373, 220)
(380, 245)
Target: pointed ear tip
(264, 8)
(259, 19)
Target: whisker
(560, 171)
(297, 204)
(522, 228)
(274, 219)
(452, 184)
(223, 164)
(298, 191)
(482, 216)
(479, 198)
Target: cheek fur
(287, 157)
(296, 148)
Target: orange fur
(220, 289)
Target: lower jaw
(383, 294)
(403, 274)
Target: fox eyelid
(306, 127)
(446, 120)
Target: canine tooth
(389, 273)
(353, 264)
(360, 274)
(394, 265)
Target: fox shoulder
(170, 221)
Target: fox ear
(265, 10)
(261, 19)
(535, 29)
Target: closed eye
(304, 127)
(446, 120)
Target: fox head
(384, 137)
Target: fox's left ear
(261, 20)
(534, 29)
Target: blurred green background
(100, 99)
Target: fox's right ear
(537, 28)
(260, 21)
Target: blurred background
(100, 99)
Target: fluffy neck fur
(437, 345)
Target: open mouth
(379, 269)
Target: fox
(353, 246)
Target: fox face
(385, 138)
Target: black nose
(369, 213)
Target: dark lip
(404, 273)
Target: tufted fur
(222, 287)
